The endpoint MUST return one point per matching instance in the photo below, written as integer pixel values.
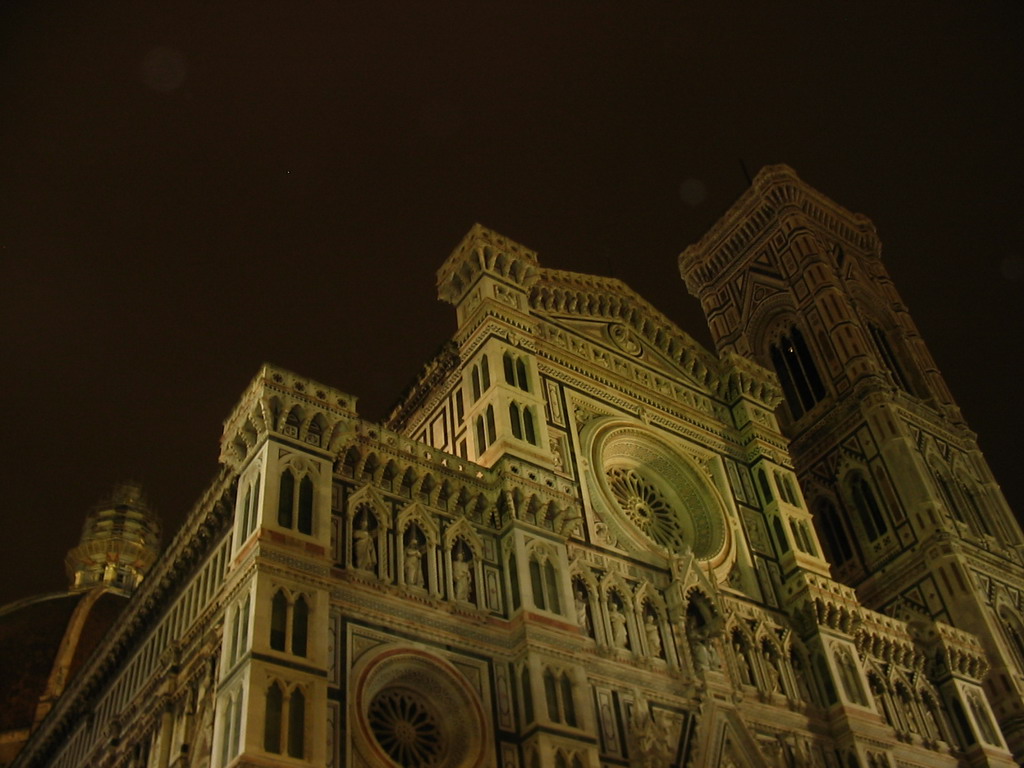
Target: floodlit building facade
(583, 540)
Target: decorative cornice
(775, 189)
(481, 251)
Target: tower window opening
(516, 422)
(868, 510)
(888, 357)
(485, 374)
(797, 373)
(490, 424)
(528, 428)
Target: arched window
(527, 695)
(236, 624)
(256, 504)
(537, 583)
(513, 579)
(225, 741)
(544, 583)
(797, 373)
(490, 424)
(521, 375)
(315, 430)
(485, 374)
(568, 705)
(286, 500)
(808, 539)
(766, 488)
(306, 506)
(974, 508)
(551, 582)
(300, 626)
(510, 374)
(233, 736)
(531, 435)
(836, 540)
(278, 621)
(272, 719)
(888, 358)
(513, 417)
(946, 491)
(780, 535)
(476, 383)
(296, 724)
(797, 539)
(481, 436)
(551, 695)
(866, 504)
(292, 423)
(246, 511)
(783, 491)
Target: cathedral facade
(582, 540)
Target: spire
(120, 541)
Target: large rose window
(406, 728)
(651, 497)
(646, 507)
(415, 710)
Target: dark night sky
(189, 189)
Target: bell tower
(903, 499)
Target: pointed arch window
(296, 724)
(289, 620)
(974, 508)
(527, 695)
(490, 424)
(946, 490)
(766, 488)
(286, 500)
(509, 366)
(481, 435)
(528, 428)
(485, 373)
(292, 423)
(246, 512)
(475, 376)
(868, 510)
(558, 694)
(551, 696)
(536, 583)
(306, 506)
(888, 357)
(780, 535)
(797, 372)
(513, 578)
(515, 420)
(521, 378)
(544, 583)
(274, 708)
(292, 507)
(252, 512)
(551, 583)
(300, 626)
(284, 721)
(278, 621)
(568, 705)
